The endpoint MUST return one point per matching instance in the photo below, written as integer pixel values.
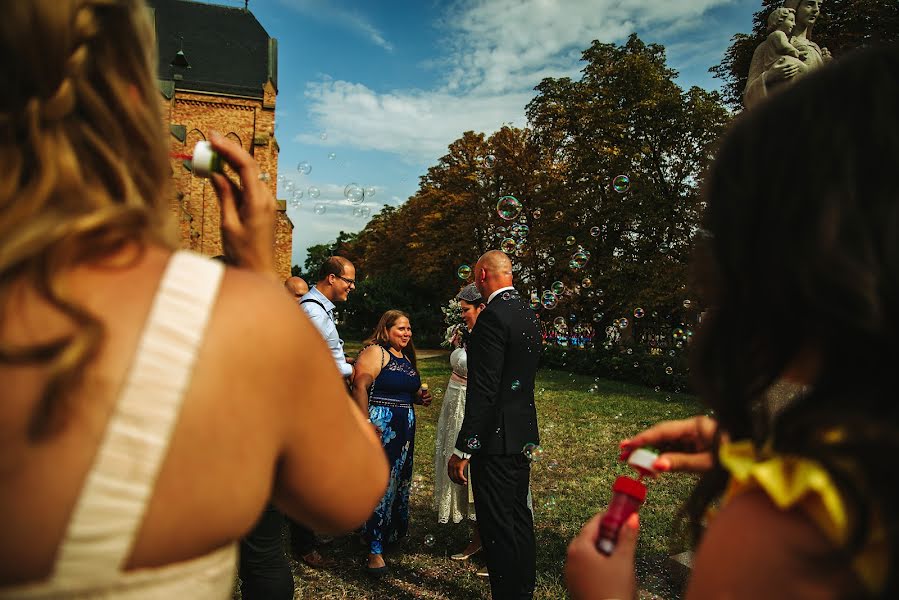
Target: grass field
(581, 421)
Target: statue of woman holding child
(787, 53)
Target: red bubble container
(627, 497)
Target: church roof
(212, 48)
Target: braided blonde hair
(83, 165)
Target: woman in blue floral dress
(386, 384)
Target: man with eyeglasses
(336, 279)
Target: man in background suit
(500, 420)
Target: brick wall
(192, 116)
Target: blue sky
(372, 92)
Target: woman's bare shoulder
(753, 549)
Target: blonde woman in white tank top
(152, 400)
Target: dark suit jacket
(503, 355)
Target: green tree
(315, 256)
(842, 26)
(625, 116)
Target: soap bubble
(265, 177)
(331, 156)
(507, 296)
(559, 324)
(304, 167)
(370, 191)
(597, 317)
(669, 370)
(508, 207)
(314, 192)
(548, 300)
(320, 209)
(687, 304)
(508, 245)
(586, 282)
(678, 334)
(570, 240)
(550, 261)
(532, 451)
(594, 231)
(537, 212)
(559, 214)
(463, 272)
(621, 183)
(295, 203)
(354, 193)
(361, 211)
(622, 323)
(473, 443)
(516, 385)
(664, 248)
(580, 259)
(489, 160)
(429, 540)
(323, 136)
(639, 313)
(557, 287)
(296, 194)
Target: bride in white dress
(450, 500)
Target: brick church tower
(217, 71)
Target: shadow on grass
(581, 422)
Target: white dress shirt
(323, 319)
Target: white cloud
(498, 50)
(324, 10)
(414, 124)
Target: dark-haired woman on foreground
(801, 267)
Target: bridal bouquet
(452, 316)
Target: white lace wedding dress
(451, 501)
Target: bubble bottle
(627, 498)
(205, 161)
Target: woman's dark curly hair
(800, 256)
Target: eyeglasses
(349, 281)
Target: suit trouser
(302, 539)
(264, 571)
(506, 524)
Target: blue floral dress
(390, 409)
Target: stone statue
(779, 60)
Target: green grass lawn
(580, 429)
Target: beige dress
(109, 511)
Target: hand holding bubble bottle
(627, 496)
